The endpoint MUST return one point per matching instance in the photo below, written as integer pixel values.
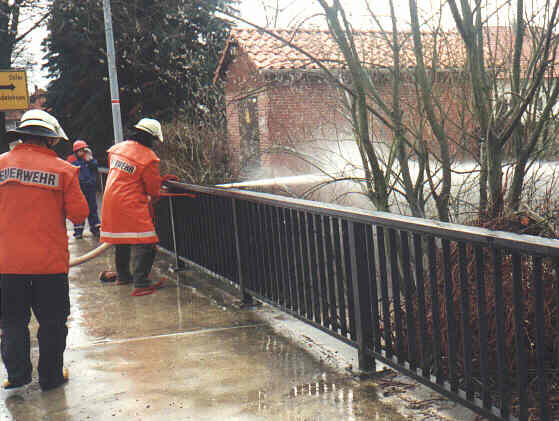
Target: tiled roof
(269, 53)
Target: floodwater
(183, 354)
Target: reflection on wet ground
(178, 354)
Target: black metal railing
(102, 174)
(472, 313)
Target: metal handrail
(482, 236)
(337, 268)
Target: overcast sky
(358, 11)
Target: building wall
(305, 110)
(241, 81)
(451, 105)
(296, 114)
(290, 114)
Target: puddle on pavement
(329, 396)
(326, 400)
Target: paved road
(181, 355)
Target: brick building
(277, 97)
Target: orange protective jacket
(133, 178)
(38, 191)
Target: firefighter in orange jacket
(127, 222)
(38, 191)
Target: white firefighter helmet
(37, 123)
(151, 126)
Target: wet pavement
(183, 353)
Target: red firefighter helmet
(79, 144)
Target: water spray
(279, 181)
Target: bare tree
(195, 153)
(274, 10)
(498, 126)
(468, 93)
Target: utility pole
(113, 78)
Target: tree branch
(35, 26)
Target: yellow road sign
(13, 90)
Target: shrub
(196, 154)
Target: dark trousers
(90, 193)
(47, 296)
(144, 256)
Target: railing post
(102, 174)
(245, 297)
(179, 266)
(361, 294)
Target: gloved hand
(169, 177)
(88, 156)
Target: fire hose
(96, 252)
(90, 255)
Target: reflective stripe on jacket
(38, 191)
(133, 177)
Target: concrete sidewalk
(183, 353)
